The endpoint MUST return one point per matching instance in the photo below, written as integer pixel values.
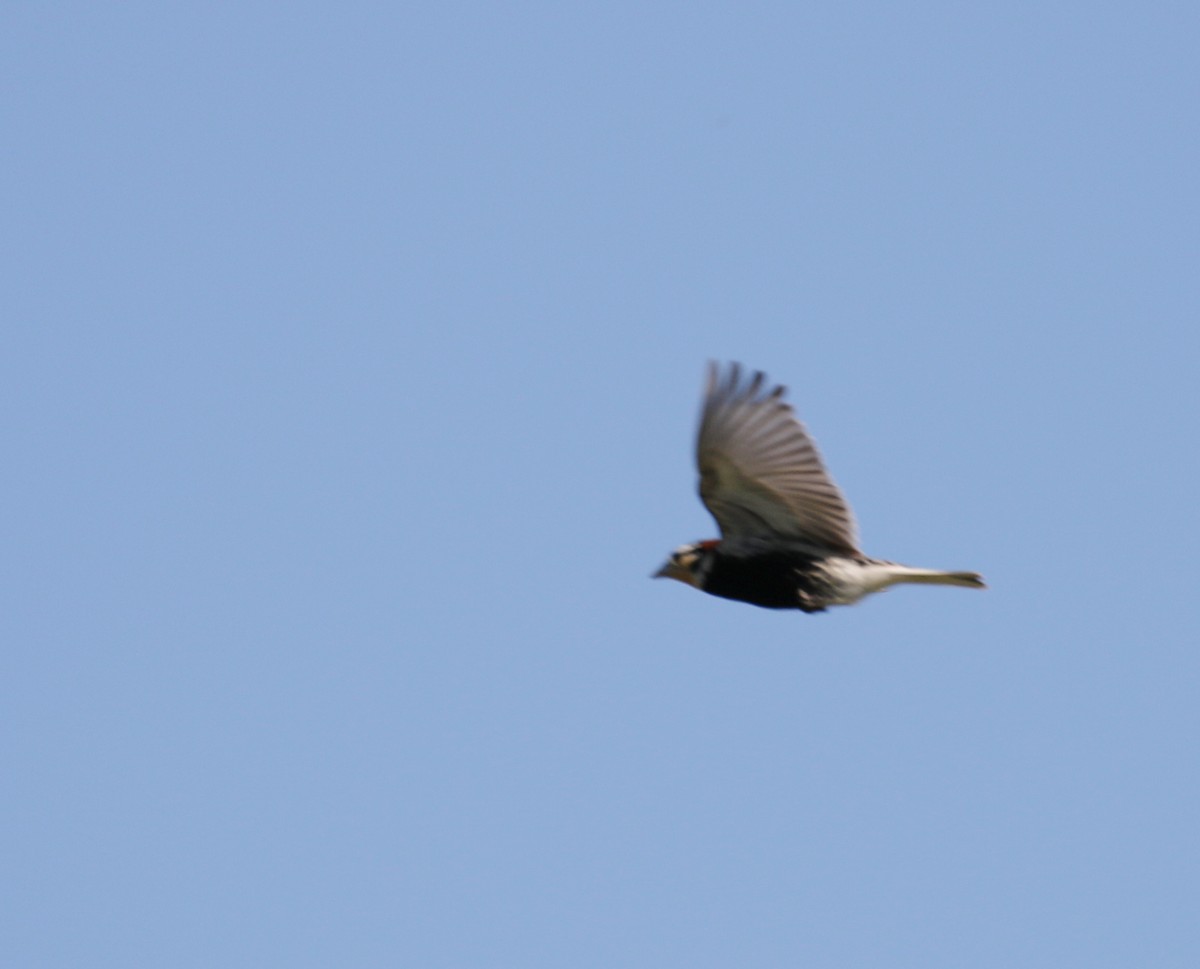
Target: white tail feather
(904, 573)
(854, 579)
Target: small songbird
(788, 539)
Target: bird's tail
(906, 573)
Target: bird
(788, 536)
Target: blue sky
(350, 369)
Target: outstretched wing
(760, 473)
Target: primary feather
(760, 473)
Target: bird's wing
(760, 473)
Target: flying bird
(788, 538)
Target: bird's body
(788, 536)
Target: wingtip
(729, 379)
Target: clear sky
(349, 370)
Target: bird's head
(685, 564)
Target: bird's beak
(676, 572)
